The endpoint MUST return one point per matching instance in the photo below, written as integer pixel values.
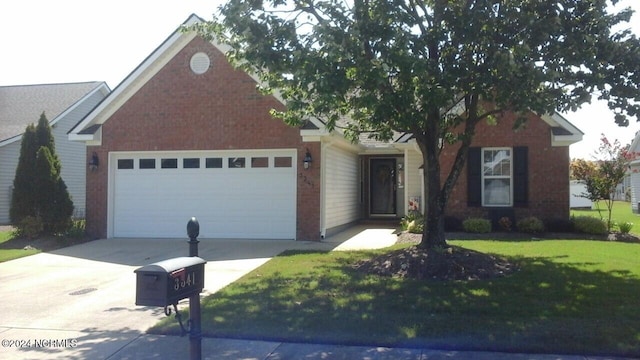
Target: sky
(45, 41)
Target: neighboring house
(633, 182)
(186, 134)
(63, 105)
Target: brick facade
(218, 110)
(548, 169)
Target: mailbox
(167, 282)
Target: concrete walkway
(78, 302)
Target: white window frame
(489, 177)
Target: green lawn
(621, 213)
(10, 254)
(570, 296)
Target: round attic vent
(200, 63)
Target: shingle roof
(21, 105)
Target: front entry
(382, 180)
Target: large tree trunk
(437, 194)
(433, 235)
(429, 142)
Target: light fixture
(307, 160)
(94, 162)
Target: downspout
(323, 185)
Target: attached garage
(233, 193)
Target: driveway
(79, 301)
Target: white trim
(482, 176)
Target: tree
(402, 65)
(603, 175)
(39, 191)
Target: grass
(570, 296)
(10, 254)
(621, 212)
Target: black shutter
(474, 177)
(520, 176)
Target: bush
(589, 225)
(29, 227)
(476, 225)
(413, 222)
(625, 227)
(531, 225)
(505, 223)
(77, 229)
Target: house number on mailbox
(182, 280)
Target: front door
(382, 187)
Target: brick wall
(548, 171)
(218, 110)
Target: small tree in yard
(603, 175)
(40, 195)
(401, 65)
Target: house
(186, 134)
(632, 181)
(63, 105)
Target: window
(169, 163)
(259, 162)
(191, 163)
(213, 163)
(497, 177)
(125, 163)
(282, 161)
(236, 163)
(147, 164)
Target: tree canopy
(402, 65)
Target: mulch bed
(457, 263)
(44, 243)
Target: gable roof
(21, 105)
(89, 128)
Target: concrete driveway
(78, 302)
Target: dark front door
(382, 187)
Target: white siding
(413, 180)
(73, 154)
(72, 157)
(9, 155)
(635, 187)
(342, 204)
(577, 189)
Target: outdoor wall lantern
(94, 162)
(307, 160)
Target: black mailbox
(167, 282)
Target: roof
(21, 105)
(89, 128)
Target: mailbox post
(167, 282)
(195, 333)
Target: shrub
(77, 229)
(505, 223)
(625, 227)
(531, 225)
(413, 222)
(29, 227)
(589, 225)
(476, 225)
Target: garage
(249, 194)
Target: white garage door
(233, 194)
